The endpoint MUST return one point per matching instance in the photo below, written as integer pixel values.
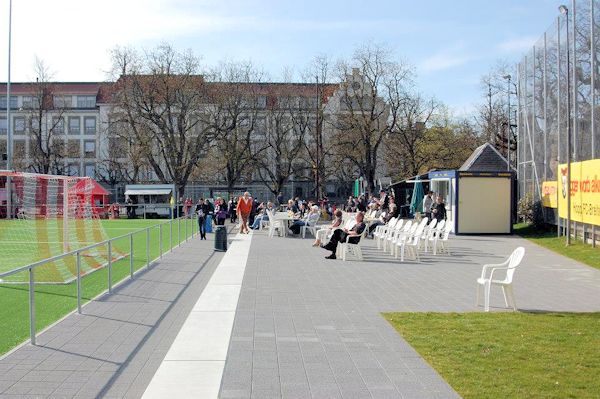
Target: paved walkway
(304, 326)
(310, 327)
(114, 349)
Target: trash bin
(220, 238)
(208, 227)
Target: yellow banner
(585, 191)
(550, 194)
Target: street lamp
(508, 78)
(565, 11)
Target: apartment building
(63, 128)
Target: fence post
(178, 231)
(31, 307)
(185, 224)
(171, 235)
(109, 267)
(160, 251)
(131, 255)
(148, 247)
(78, 282)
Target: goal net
(42, 216)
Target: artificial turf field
(55, 301)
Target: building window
(3, 126)
(30, 102)
(89, 149)
(19, 125)
(90, 170)
(74, 125)
(13, 102)
(262, 102)
(90, 124)
(86, 101)
(58, 125)
(63, 101)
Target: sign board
(550, 194)
(584, 191)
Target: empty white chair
(381, 232)
(275, 224)
(433, 233)
(442, 238)
(411, 241)
(486, 281)
(398, 233)
(428, 229)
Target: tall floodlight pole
(9, 138)
(565, 11)
(509, 131)
(317, 157)
(8, 127)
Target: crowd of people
(251, 213)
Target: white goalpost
(42, 216)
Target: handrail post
(148, 247)
(160, 251)
(179, 231)
(78, 282)
(131, 255)
(31, 307)
(185, 224)
(170, 235)
(110, 267)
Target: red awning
(97, 189)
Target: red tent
(98, 196)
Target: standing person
(244, 207)
(439, 211)
(129, 207)
(232, 209)
(343, 235)
(220, 211)
(201, 212)
(384, 200)
(280, 200)
(428, 204)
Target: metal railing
(30, 269)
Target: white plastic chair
(411, 241)
(310, 226)
(381, 232)
(354, 249)
(486, 281)
(426, 231)
(442, 239)
(275, 224)
(398, 233)
(433, 232)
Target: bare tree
(363, 120)
(283, 141)
(234, 99)
(160, 96)
(44, 110)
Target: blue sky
(450, 43)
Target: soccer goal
(42, 216)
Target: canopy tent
(98, 196)
(139, 191)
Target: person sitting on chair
(344, 235)
(263, 215)
(321, 233)
(310, 219)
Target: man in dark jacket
(344, 235)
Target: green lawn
(509, 355)
(55, 301)
(579, 251)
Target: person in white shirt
(428, 204)
(311, 218)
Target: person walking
(201, 212)
(244, 208)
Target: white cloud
(517, 45)
(449, 57)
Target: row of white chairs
(399, 237)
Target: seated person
(311, 218)
(344, 235)
(262, 215)
(322, 233)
